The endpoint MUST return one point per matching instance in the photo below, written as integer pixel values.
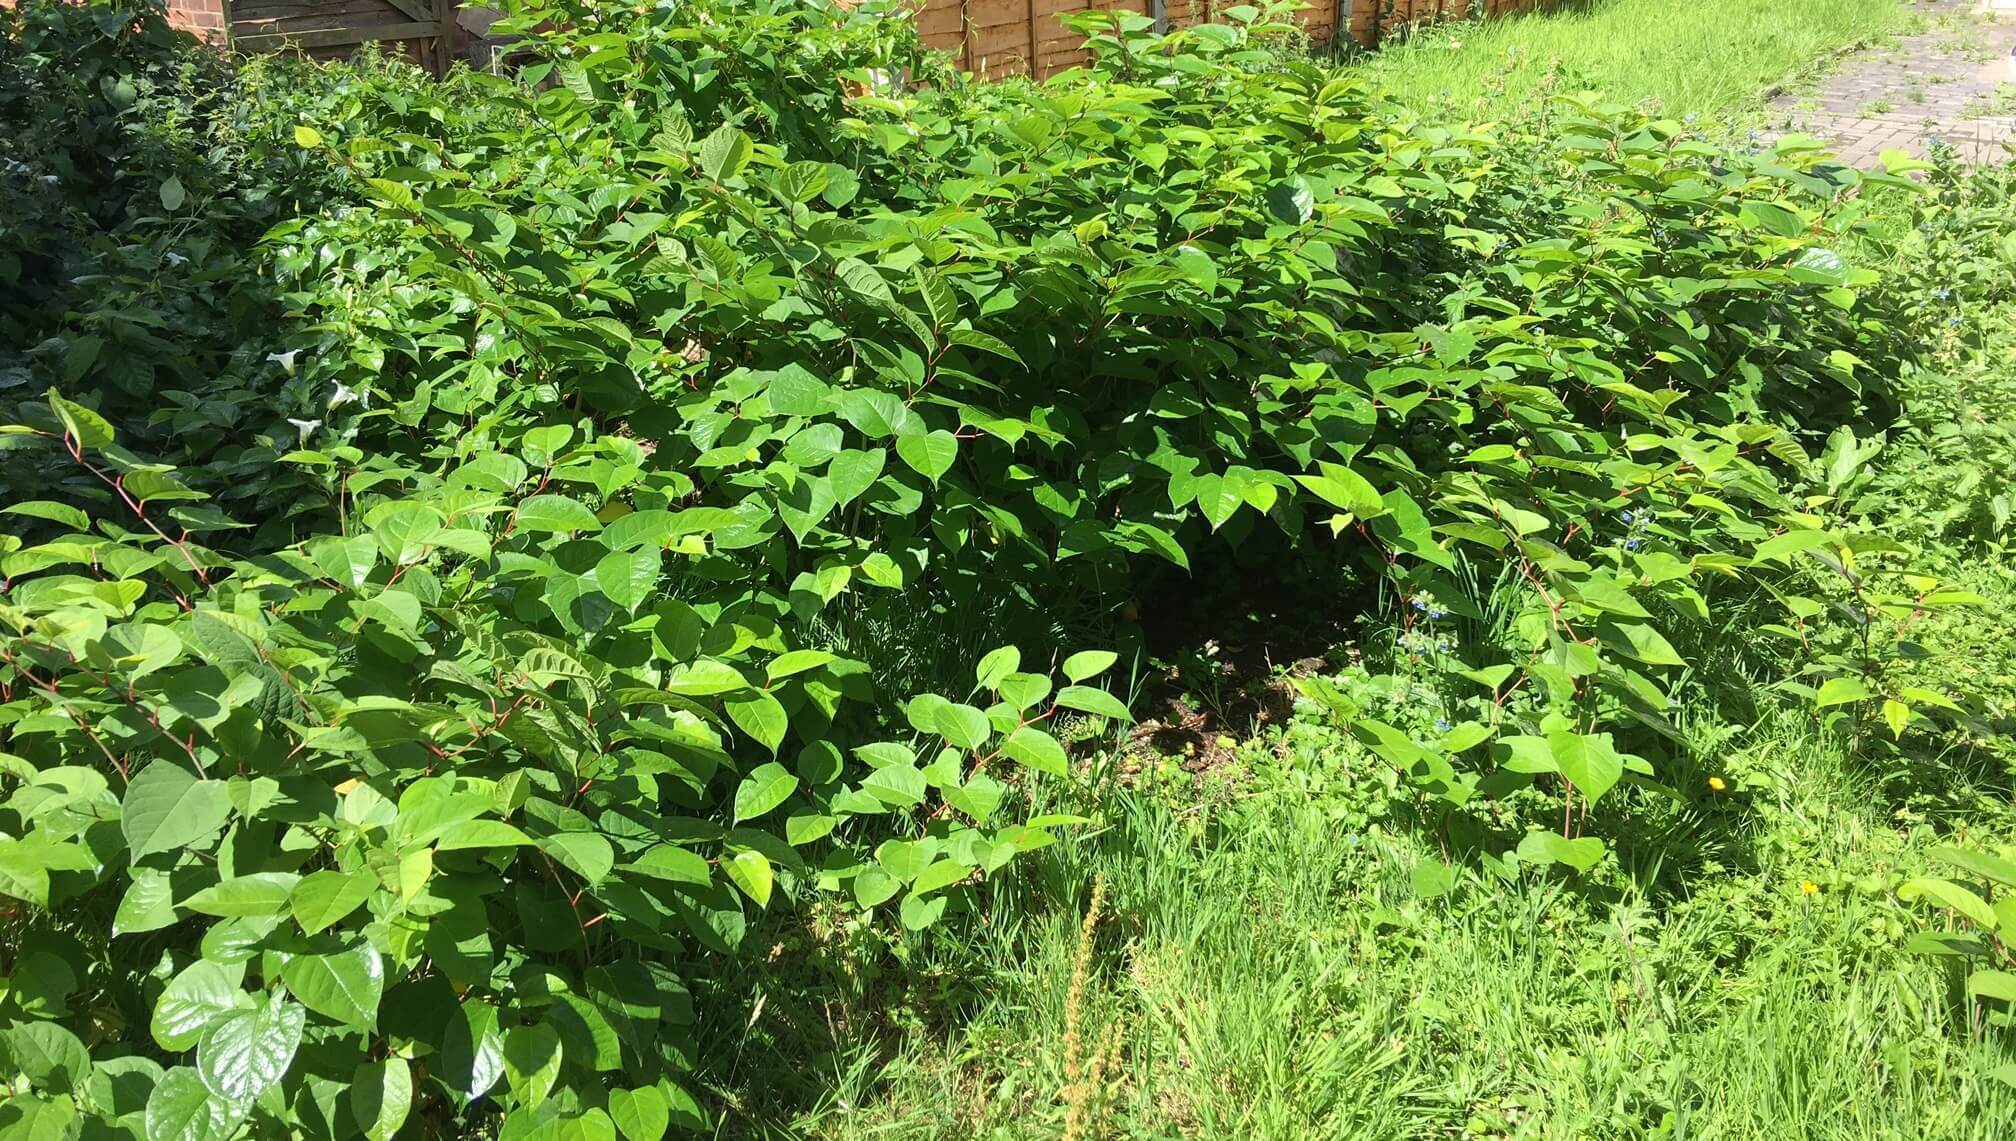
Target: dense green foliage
(438, 631)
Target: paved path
(1954, 82)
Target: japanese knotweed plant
(428, 820)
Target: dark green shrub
(616, 391)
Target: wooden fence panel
(996, 38)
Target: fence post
(1160, 10)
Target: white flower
(176, 259)
(305, 427)
(345, 394)
(51, 179)
(285, 360)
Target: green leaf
(853, 472)
(532, 1062)
(555, 513)
(166, 808)
(344, 986)
(173, 195)
(1992, 868)
(997, 664)
(919, 912)
(307, 137)
(750, 871)
(1038, 750)
(472, 1050)
(263, 893)
(930, 455)
(797, 662)
(1842, 691)
(1951, 896)
(88, 428)
(873, 887)
(962, 726)
(181, 1107)
(939, 299)
(1088, 663)
(51, 1056)
(1291, 202)
(762, 717)
(1589, 760)
(705, 678)
(381, 1095)
(147, 905)
(583, 853)
(640, 1114)
(724, 153)
(762, 790)
(1088, 700)
(1551, 848)
(203, 994)
(480, 834)
(626, 577)
(246, 1054)
(876, 414)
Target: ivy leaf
(166, 808)
(242, 1056)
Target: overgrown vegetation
(1711, 60)
(581, 626)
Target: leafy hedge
(402, 767)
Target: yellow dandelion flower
(1809, 887)
(1717, 783)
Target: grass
(1277, 971)
(1710, 58)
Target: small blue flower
(1628, 517)
(1942, 294)
(1630, 544)
(1442, 723)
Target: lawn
(1712, 59)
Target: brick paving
(1955, 82)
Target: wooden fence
(1004, 37)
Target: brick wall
(203, 17)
